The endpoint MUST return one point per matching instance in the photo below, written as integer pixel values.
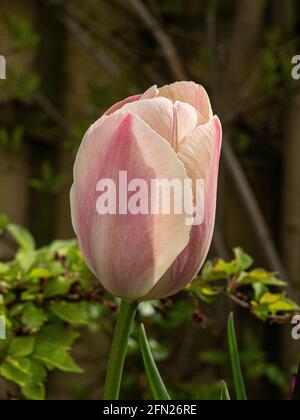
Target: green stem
(117, 355)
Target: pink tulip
(168, 133)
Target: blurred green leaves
(254, 289)
(22, 36)
(44, 296)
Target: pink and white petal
(128, 253)
(174, 122)
(191, 93)
(201, 155)
(186, 122)
(149, 94)
(158, 113)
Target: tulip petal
(192, 94)
(150, 93)
(186, 122)
(128, 253)
(200, 154)
(174, 122)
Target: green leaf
(23, 238)
(34, 317)
(52, 269)
(21, 346)
(243, 260)
(53, 344)
(58, 335)
(235, 361)
(220, 271)
(34, 390)
(26, 259)
(59, 287)
(259, 290)
(4, 222)
(73, 313)
(260, 276)
(283, 305)
(157, 386)
(62, 247)
(26, 373)
(204, 292)
(56, 357)
(273, 303)
(225, 396)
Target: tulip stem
(117, 355)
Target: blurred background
(68, 61)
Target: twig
(272, 319)
(162, 38)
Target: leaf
(235, 361)
(260, 276)
(73, 313)
(157, 386)
(4, 222)
(59, 287)
(243, 260)
(224, 392)
(204, 292)
(56, 357)
(284, 305)
(222, 270)
(58, 335)
(53, 269)
(269, 298)
(276, 303)
(26, 259)
(34, 390)
(34, 317)
(26, 373)
(53, 344)
(259, 290)
(21, 346)
(261, 311)
(16, 370)
(23, 238)
(62, 247)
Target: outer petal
(200, 155)
(174, 122)
(128, 253)
(191, 93)
(150, 93)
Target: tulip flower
(165, 133)
(168, 133)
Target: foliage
(252, 288)
(48, 297)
